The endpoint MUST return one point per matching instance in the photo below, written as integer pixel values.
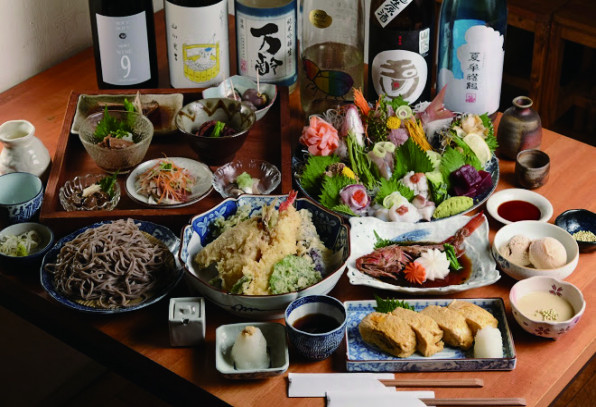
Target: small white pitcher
(22, 150)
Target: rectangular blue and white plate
(362, 357)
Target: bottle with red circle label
(400, 54)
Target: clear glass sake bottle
(471, 53)
(331, 53)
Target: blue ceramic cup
(21, 194)
(315, 325)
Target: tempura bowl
(198, 234)
(121, 160)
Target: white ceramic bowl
(516, 194)
(547, 329)
(277, 347)
(241, 84)
(535, 230)
(46, 241)
(332, 231)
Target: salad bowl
(196, 235)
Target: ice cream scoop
(547, 253)
(516, 250)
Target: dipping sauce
(316, 323)
(543, 306)
(514, 211)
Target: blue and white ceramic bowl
(315, 346)
(198, 234)
(21, 194)
(46, 240)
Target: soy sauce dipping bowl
(319, 345)
(215, 150)
(575, 220)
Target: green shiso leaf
(491, 139)
(109, 125)
(343, 208)
(469, 155)
(410, 157)
(389, 186)
(451, 161)
(313, 171)
(389, 304)
(329, 197)
(381, 242)
(108, 183)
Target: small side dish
(20, 245)
(238, 177)
(171, 182)
(514, 205)
(581, 224)
(90, 192)
(25, 244)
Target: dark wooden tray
(268, 140)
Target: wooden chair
(576, 22)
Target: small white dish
(277, 347)
(553, 286)
(518, 194)
(201, 189)
(241, 84)
(534, 229)
(224, 177)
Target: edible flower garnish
(320, 137)
(435, 263)
(415, 272)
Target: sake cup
(21, 194)
(316, 325)
(532, 168)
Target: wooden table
(136, 345)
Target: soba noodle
(113, 265)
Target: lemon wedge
(478, 146)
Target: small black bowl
(575, 220)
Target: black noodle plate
(300, 157)
(173, 277)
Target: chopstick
(433, 382)
(475, 402)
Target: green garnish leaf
(389, 186)
(108, 183)
(450, 253)
(128, 106)
(410, 157)
(360, 163)
(165, 165)
(329, 197)
(381, 242)
(313, 171)
(389, 304)
(451, 161)
(217, 129)
(111, 126)
(469, 155)
(490, 138)
(343, 208)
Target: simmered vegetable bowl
(389, 160)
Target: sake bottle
(400, 54)
(197, 42)
(471, 53)
(332, 53)
(124, 43)
(266, 41)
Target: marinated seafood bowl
(254, 255)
